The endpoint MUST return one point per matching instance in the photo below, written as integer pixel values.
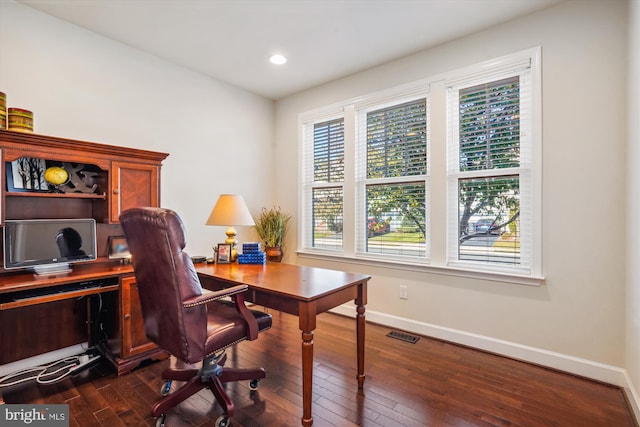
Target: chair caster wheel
(253, 384)
(160, 421)
(166, 388)
(222, 421)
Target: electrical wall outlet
(404, 292)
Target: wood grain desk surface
(19, 281)
(293, 281)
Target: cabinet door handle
(116, 191)
(127, 316)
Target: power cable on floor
(48, 374)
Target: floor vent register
(403, 337)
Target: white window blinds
(489, 196)
(323, 212)
(376, 186)
(393, 147)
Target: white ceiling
(231, 40)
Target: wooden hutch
(107, 312)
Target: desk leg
(360, 322)
(307, 377)
(360, 302)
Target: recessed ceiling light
(278, 59)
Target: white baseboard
(633, 394)
(42, 359)
(583, 367)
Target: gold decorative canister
(20, 120)
(3, 110)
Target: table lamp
(230, 210)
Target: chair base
(212, 375)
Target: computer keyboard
(60, 289)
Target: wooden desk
(11, 283)
(58, 315)
(39, 324)
(299, 290)
(52, 320)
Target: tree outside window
(489, 146)
(396, 147)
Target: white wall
(576, 321)
(83, 86)
(633, 193)
(221, 139)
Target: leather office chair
(191, 323)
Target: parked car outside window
(487, 226)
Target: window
(490, 170)
(394, 146)
(379, 184)
(325, 184)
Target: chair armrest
(235, 292)
(208, 296)
(252, 323)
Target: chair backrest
(165, 276)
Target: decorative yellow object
(20, 120)
(56, 175)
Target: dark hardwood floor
(430, 383)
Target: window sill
(502, 277)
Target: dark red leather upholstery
(189, 322)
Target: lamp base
(231, 240)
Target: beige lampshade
(230, 209)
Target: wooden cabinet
(133, 184)
(134, 340)
(119, 178)
(123, 178)
(127, 345)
